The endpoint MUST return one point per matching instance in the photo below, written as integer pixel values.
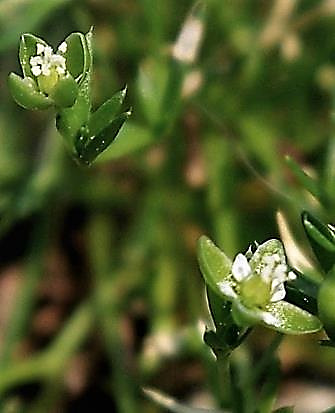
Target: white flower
(258, 279)
(46, 62)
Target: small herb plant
(62, 80)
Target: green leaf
(214, 265)
(106, 113)
(305, 180)
(65, 92)
(25, 94)
(322, 240)
(326, 304)
(172, 405)
(28, 49)
(78, 57)
(131, 138)
(94, 145)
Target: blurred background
(100, 292)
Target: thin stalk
(267, 357)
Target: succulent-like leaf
(25, 94)
(65, 92)
(28, 49)
(106, 113)
(322, 240)
(305, 180)
(214, 265)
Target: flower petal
(241, 268)
(227, 290)
(277, 291)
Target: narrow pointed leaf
(106, 113)
(322, 240)
(28, 49)
(25, 94)
(97, 144)
(305, 180)
(214, 265)
(65, 92)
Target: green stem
(224, 381)
(267, 357)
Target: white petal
(270, 319)
(36, 70)
(291, 276)
(48, 51)
(40, 48)
(62, 47)
(46, 69)
(278, 292)
(241, 268)
(35, 60)
(226, 289)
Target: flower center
(255, 292)
(48, 67)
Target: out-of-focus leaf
(24, 17)
(131, 138)
(326, 304)
(305, 180)
(287, 409)
(172, 405)
(322, 240)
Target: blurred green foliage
(203, 153)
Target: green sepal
(280, 316)
(322, 240)
(90, 147)
(27, 49)
(25, 93)
(215, 266)
(78, 56)
(267, 249)
(69, 121)
(65, 93)
(106, 113)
